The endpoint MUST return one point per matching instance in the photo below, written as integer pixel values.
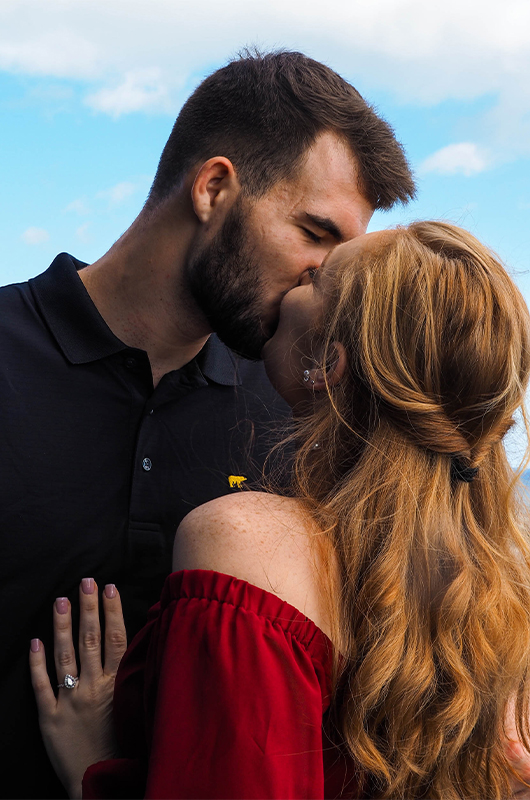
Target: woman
(387, 597)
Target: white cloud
(118, 193)
(140, 90)
(78, 206)
(134, 56)
(464, 158)
(462, 47)
(32, 44)
(82, 233)
(35, 236)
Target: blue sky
(89, 90)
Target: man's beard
(227, 286)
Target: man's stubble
(225, 282)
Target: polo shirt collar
(78, 327)
(218, 363)
(84, 336)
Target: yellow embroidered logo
(235, 481)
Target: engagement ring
(69, 682)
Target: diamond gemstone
(69, 682)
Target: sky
(89, 90)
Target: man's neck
(138, 288)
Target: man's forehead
(327, 163)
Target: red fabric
(221, 695)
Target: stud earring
(307, 377)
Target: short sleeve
(235, 686)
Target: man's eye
(312, 271)
(313, 236)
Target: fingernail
(35, 645)
(87, 585)
(61, 604)
(110, 591)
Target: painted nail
(110, 591)
(35, 645)
(87, 585)
(61, 604)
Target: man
(120, 410)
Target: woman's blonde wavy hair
(434, 593)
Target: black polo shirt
(96, 471)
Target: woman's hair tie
(461, 472)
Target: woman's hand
(77, 724)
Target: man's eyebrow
(326, 224)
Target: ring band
(69, 682)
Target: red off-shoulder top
(221, 695)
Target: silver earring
(307, 377)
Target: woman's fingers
(115, 635)
(64, 653)
(89, 631)
(44, 694)
(77, 725)
(90, 666)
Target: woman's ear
(338, 361)
(215, 185)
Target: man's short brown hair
(263, 111)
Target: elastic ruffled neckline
(217, 586)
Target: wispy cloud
(116, 195)
(464, 158)
(35, 236)
(140, 90)
(79, 206)
(82, 233)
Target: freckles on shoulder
(209, 535)
(237, 534)
(264, 539)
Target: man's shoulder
(22, 294)
(16, 302)
(12, 292)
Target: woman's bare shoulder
(237, 510)
(262, 538)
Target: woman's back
(224, 691)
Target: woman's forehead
(364, 244)
(350, 250)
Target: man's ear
(215, 186)
(338, 361)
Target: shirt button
(147, 464)
(130, 363)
